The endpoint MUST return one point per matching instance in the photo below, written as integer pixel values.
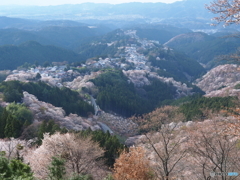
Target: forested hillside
(13, 56)
(175, 64)
(69, 100)
(159, 32)
(204, 48)
(70, 37)
(199, 107)
(118, 94)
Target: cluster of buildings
(132, 58)
(103, 63)
(53, 75)
(55, 71)
(136, 58)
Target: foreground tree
(168, 152)
(14, 148)
(212, 150)
(57, 169)
(81, 155)
(132, 165)
(14, 119)
(161, 138)
(14, 169)
(228, 11)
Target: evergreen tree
(48, 127)
(21, 170)
(38, 76)
(5, 170)
(57, 169)
(14, 169)
(3, 122)
(81, 177)
(110, 143)
(9, 128)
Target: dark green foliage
(12, 127)
(82, 70)
(237, 86)
(13, 119)
(11, 91)
(38, 76)
(1, 109)
(176, 65)
(177, 102)
(81, 177)
(89, 50)
(69, 100)
(20, 169)
(48, 127)
(110, 143)
(5, 170)
(182, 100)
(12, 95)
(208, 48)
(14, 169)
(2, 77)
(221, 87)
(3, 121)
(159, 32)
(20, 112)
(118, 95)
(196, 89)
(114, 88)
(195, 107)
(158, 92)
(16, 36)
(57, 169)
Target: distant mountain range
(66, 34)
(188, 13)
(30, 24)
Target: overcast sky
(58, 2)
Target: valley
(115, 92)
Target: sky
(58, 2)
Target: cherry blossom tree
(212, 150)
(228, 11)
(81, 155)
